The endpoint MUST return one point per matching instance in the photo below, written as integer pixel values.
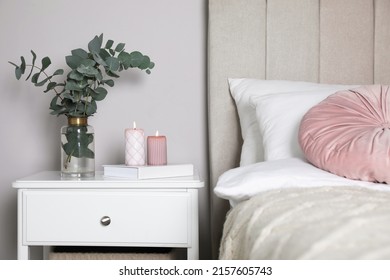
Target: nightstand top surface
(53, 180)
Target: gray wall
(172, 99)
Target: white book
(148, 171)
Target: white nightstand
(107, 212)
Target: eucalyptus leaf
(88, 153)
(136, 58)
(112, 64)
(58, 72)
(104, 54)
(68, 103)
(99, 76)
(112, 74)
(120, 47)
(73, 61)
(95, 44)
(99, 59)
(88, 62)
(23, 65)
(99, 93)
(84, 137)
(43, 82)
(145, 63)
(125, 59)
(18, 72)
(50, 86)
(109, 44)
(77, 142)
(72, 97)
(69, 147)
(91, 108)
(75, 75)
(110, 82)
(45, 63)
(78, 86)
(80, 53)
(53, 103)
(61, 110)
(89, 71)
(35, 77)
(32, 64)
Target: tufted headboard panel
(325, 41)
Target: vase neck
(78, 121)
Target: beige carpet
(110, 256)
(88, 253)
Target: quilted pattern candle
(157, 150)
(134, 146)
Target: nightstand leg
(193, 251)
(192, 254)
(23, 252)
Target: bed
(267, 203)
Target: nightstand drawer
(136, 217)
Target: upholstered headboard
(325, 41)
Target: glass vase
(77, 149)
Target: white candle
(157, 150)
(134, 146)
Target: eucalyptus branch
(90, 72)
(48, 77)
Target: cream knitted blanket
(310, 223)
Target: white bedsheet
(309, 223)
(244, 182)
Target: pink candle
(134, 146)
(157, 150)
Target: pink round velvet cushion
(348, 134)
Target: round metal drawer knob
(105, 221)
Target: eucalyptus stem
(67, 161)
(77, 104)
(47, 76)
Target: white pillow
(245, 182)
(279, 115)
(242, 90)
